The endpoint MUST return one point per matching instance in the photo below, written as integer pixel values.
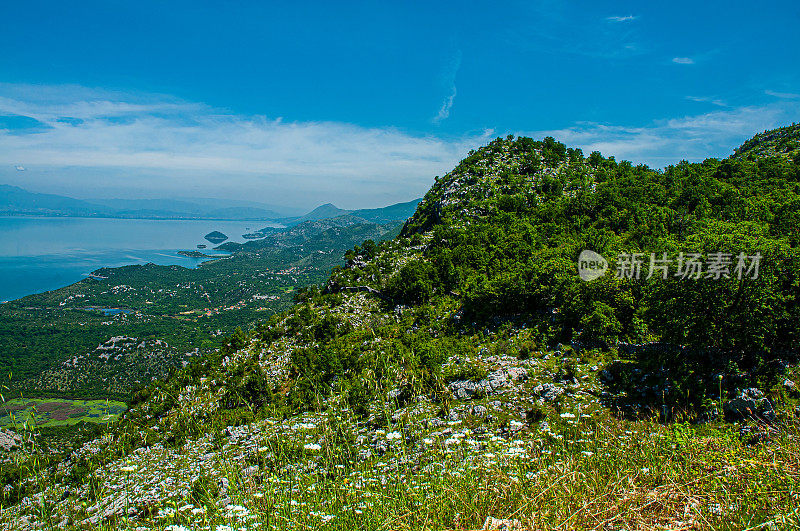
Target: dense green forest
(498, 238)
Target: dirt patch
(64, 414)
(47, 407)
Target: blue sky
(363, 103)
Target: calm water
(39, 254)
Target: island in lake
(216, 237)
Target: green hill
(464, 371)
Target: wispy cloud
(152, 143)
(663, 142)
(782, 95)
(683, 60)
(705, 99)
(450, 80)
(566, 28)
(447, 104)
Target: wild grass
(584, 473)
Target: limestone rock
(750, 403)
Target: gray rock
(435, 423)
(496, 379)
(9, 440)
(463, 389)
(548, 392)
(750, 403)
(479, 411)
(518, 373)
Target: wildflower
(393, 435)
(236, 511)
(129, 468)
(312, 447)
(176, 527)
(568, 415)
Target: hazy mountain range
(18, 201)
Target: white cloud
(782, 95)
(616, 18)
(683, 60)
(146, 145)
(154, 143)
(694, 138)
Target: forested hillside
(464, 370)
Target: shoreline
(274, 221)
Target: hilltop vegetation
(463, 370)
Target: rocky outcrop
(750, 403)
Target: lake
(43, 253)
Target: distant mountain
(243, 213)
(195, 208)
(396, 212)
(328, 210)
(280, 210)
(15, 200)
(152, 205)
(173, 208)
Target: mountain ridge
(464, 373)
